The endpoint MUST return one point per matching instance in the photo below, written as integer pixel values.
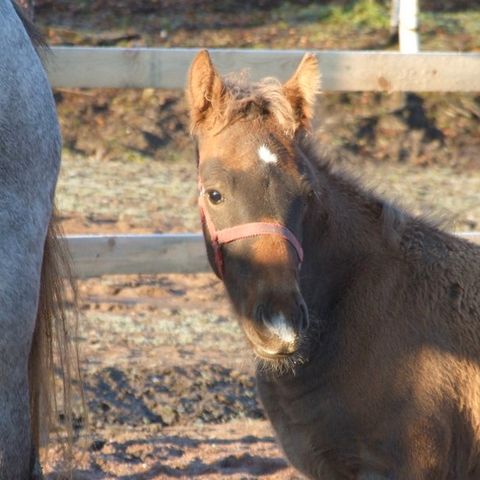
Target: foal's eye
(214, 196)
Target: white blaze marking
(267, 155)
(278, 325)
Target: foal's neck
(356, 221)
(350, 233)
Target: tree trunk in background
(28, 6)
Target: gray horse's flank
(31, 314)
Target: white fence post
(408, 24)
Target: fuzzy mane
(245, 100)
(392, 217)
(400, 229)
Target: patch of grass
(175, 156)
(440, 29)
(135, 156)
(371, 14)
(453, 22)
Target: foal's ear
(302, 89)
(204, 88)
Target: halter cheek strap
(247, 230)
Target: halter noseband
(246, 230)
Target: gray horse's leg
(20, 261)
(14, 424)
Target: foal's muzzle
(280, 326)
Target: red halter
(247, 230)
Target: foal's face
(249, 172)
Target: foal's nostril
(260, 313)
(304, 319)
(264, 316)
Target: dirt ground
(169, 382)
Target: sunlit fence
(82, 67)
(95, 67)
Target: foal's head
(254, 191)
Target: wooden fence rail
(96, 255)
(341, 70)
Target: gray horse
(31, 313)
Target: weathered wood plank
(341, 70)
(96, 255)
